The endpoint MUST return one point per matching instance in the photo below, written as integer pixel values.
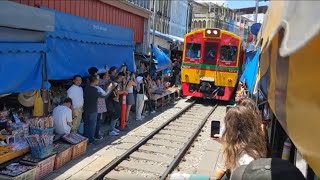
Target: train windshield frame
(211, 52)
(193, 51)
(228, 53)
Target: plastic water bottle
(286, 149)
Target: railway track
(159, 153)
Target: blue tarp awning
(250, 73)
(20, 67)
(162, 60)
(78, 44)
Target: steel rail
(109, 167)
(186, 147)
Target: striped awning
(290, 59)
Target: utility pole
(154, 31)
(256, 13)
(188, 16)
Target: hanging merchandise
(286, 149)
(38, 105)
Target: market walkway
(98, 156)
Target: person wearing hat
(75, 92)
(267, 169)
(62, 117)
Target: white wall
(178, 20)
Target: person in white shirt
(62, 117)
(75, 92)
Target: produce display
(73, 138)
(27, 140)
(15, 169)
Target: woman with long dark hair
(243, 141)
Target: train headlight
(212, 33)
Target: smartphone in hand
(215, 128)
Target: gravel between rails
(128, 166)
(191, 161)
(138, 131)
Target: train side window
(211, 51)
(228, 53)
(193, 51)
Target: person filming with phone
(242, 140)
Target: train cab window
(211, 52)
(228, 53)
(193, 50)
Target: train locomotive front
(211, 62)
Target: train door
(209, 60)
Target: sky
(235, 4)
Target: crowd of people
(245, 147)
(99, 99)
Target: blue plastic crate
(41, 152)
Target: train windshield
(211, 50)
(228, 53)
(193, 51)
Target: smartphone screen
(215, 128)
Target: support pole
(256, 13)
(188, 17)
(153, 32)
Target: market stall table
(167, 95)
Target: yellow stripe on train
(225, 79)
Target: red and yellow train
(211, 64)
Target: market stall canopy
(22, 48)
(78, 43)
(21, 23)
(168, 37)
(290, 62)
(20, 67)
(162, 60)
(20, 16)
